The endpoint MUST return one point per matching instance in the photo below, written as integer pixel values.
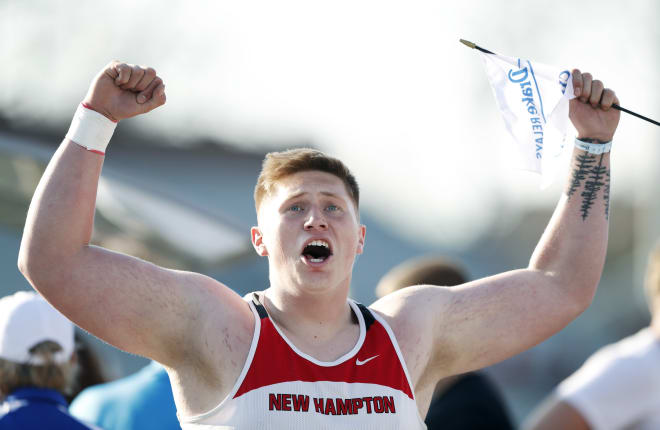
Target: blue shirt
(142, 401)
(37, 409)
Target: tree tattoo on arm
(590, 170)
(606, 195)
(584, 163)
(591, 187)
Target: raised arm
(486, 321)
(132, 304)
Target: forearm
(61, 216)
(494, 318)
(571, 252)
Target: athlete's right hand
(123, 90)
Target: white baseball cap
(26, 320)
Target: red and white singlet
(281, 387)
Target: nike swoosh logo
(360, 363)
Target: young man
(37, 365)
(301, 354)
(618, 387)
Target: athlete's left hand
(591, 111)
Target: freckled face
(310, 231)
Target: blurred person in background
(618, 387)
(141, 401)
(468, 401)
(301, 354)
(90, 371)
(37, 365)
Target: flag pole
(473, 46)
(615, 106)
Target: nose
(316, 220)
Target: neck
(314, 315)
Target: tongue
(314, 259)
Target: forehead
(309, 182)
(303, 184)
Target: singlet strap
(261, 310)
(366, 314)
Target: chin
(315, 281)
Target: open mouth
(317, 251)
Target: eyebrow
(302, 193)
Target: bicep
(483, 322)
(135, 305)
(491, 319)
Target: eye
(295, 208)
(332, 208)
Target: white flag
(533, 99)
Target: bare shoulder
(407, 308)
(412, 313)
(222, 322)
(216, 347)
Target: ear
(258, 241)
(362, 235)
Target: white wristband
(593, 148)
(91, 130)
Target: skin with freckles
(174, 317)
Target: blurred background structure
(385, 86)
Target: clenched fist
(123, 90)
(591, 111)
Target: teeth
(319, 243)
(316, 260)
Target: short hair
(50, 374)
(652, 281)
(278, 165)
(427, 270)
